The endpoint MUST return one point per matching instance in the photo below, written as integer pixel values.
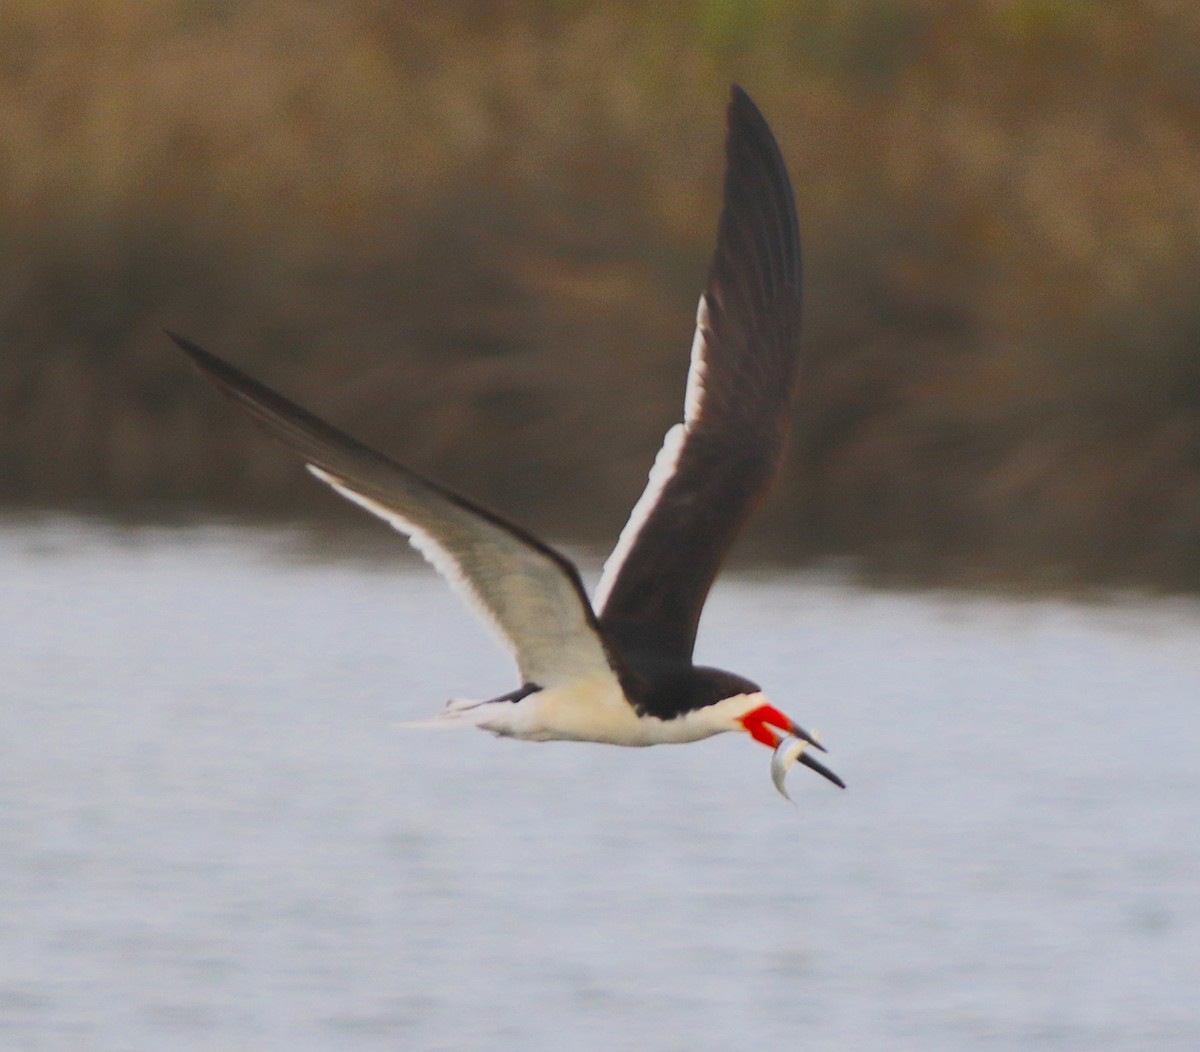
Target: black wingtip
(193, 350)
(232, 380)
(179, 340)
(743, 109)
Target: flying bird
(619, 669)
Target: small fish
(790, 751)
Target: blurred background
(473, 234)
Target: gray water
(213, 837)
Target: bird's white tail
(457, 713)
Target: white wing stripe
(693, 398)
(665, 463)
(660, 474)
(530, 604)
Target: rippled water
(211, 836)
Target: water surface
(212, 836)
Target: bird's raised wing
(717, 465)
(527, 592)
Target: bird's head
(765, 723)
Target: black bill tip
(821, 769)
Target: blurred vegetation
(473, 233)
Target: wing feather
(527, 592)
(718, 464)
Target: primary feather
(527, 592)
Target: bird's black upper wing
(717, 465)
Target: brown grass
(474, 233)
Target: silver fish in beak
(790, 751)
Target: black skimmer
(619, 669)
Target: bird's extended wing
(529, 593)
(717, 465)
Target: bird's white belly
(589, 710)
